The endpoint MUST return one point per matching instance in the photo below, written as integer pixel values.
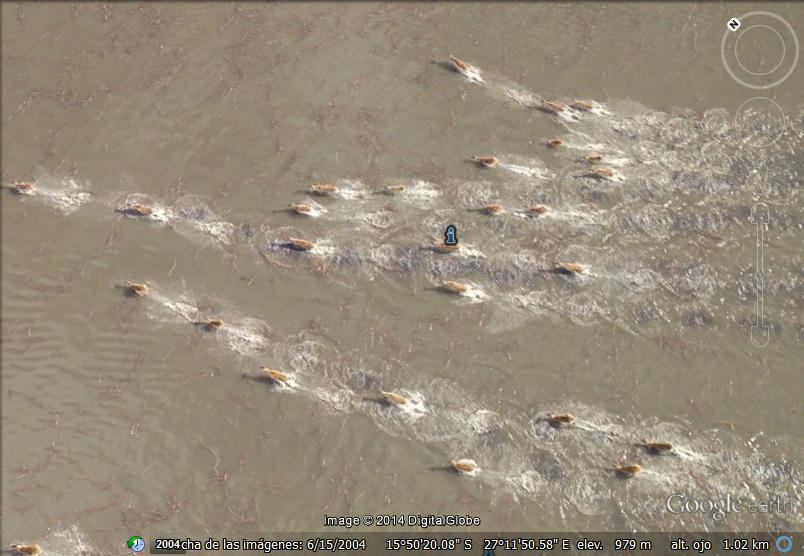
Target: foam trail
(417, 193)
(192, 214)
(220, 230)
(65, 194)
(526, 170)
(464, 251)
(523, 97)
(351, 190)
(189, 215)
(242, 335)
(580, 218)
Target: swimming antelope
(570, 268)
(33, 549)
(487, 161)
(395, 189)
(561, 419)
(628, 470)
(583, 105)
(211, 324)
(301, 208)
(137, 209)
(453, 286)
(395, 399)
(23, 188)
(301, 244)
(493, 209)
(536, 209)
(552, 106)
(465, 466)
(458, 64)
(657, 447)
(137, 289)
(600, 172)
(277, 377)
(323, 188)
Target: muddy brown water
(121, 417)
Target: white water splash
(66, 194)
(580, 218)
(186, 311)
(324, 247)
(351, 190)
(220, 230)
(530, 171)
(415, 408)
(469, 251)
(472, 73)
(419, 193)
(381, 219)
(474, 294)
(522, 97)
(290, 384)
(242, 335)
(334, 399)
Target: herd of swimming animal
(282, 379)
(464, 466)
